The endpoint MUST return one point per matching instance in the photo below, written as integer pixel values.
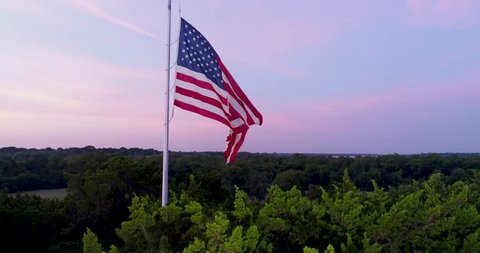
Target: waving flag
(203, 85)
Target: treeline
(31, 169)
(317, 201)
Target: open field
(44, 193)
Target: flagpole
(167, 113)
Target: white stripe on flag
(237, 122)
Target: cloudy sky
(328, 76)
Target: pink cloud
(191, 132)
(94, 11)
(53, 97)
(77, 130)
(411, 96)
(81, 81)
(404, 119)
(444, 14)
(413, 101)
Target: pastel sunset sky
(328, 76)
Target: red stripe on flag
(234, 145)
(201, 111)
(241, 128)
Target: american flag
(203, 85)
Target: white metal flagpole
(167, 113)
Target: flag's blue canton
(196, 53)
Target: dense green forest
(262, 203)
